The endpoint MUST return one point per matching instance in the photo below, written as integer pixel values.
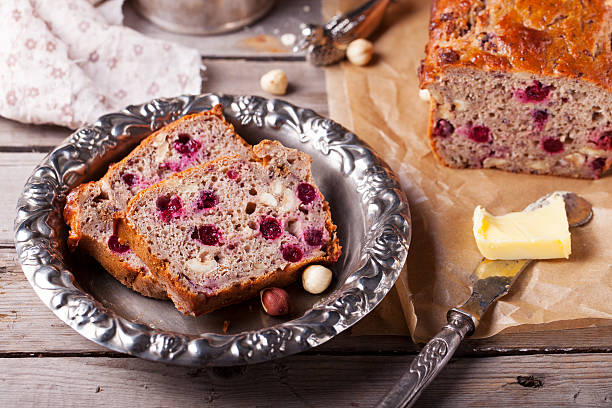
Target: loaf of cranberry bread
(217, 233)
(524, 86)
(90, 207)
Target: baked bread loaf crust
(216, 234)
(523, 86)
(90, 207)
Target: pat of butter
(538, 234)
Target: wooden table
(45, 363)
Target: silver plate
(367, 203)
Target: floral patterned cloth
(63, 62)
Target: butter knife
(491, 280)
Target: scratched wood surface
(55, 366)
(580, 380)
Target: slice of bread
(217, 233)
(90, 207)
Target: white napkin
(63, 62)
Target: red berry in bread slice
(537, 92)
(129, 178)
(313, 237)
(185, 144)
(116, 246)
(270, 228)
(169, 207)
(306, 193)
(207, 235)
(552, 145)
(208, 199)
(443, 128)
(292, 253)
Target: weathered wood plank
(306, 381)
(307, 89)
(26, 324)
(24, 137)
(306, 82)
(260, 39)
(558, 380)
(15, 169)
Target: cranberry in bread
(90, 207)
(523, 86)
(217, 233)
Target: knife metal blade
(491, 280)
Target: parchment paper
(380, 104)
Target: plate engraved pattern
(39, 232)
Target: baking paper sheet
(380, 103)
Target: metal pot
(202, 16)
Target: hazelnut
(274, 82)
(275, 301)
(288, 39)
(289, 201)
(268, 199)
(162, 150)
(202, 268)
(539, 165)
(359, 52)
(316, 278)
(591, 152)
(460, 105)
(494, 162)
(424, 95)
(277, 187)
(575, 159)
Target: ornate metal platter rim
(39, 224)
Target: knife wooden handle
(430, 361)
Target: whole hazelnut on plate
(359, 51)
(316, 278)
(274, 82)
(275, 301)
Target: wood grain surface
(46, 363)
(581, 380)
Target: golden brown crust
(72, 211)
(138, 279)
(543, 37)
(332, 248)
(194, 304)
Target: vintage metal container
(202, 16)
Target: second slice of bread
(90, 207)
(217, 233)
